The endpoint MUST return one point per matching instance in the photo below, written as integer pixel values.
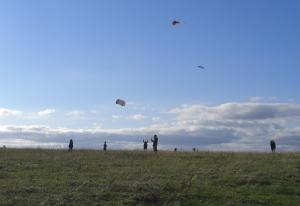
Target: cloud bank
(230, 126)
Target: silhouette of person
(155, 142)
(70, 145)
(273, 145)
(175, 149)
(105, 146)
(145, 144)
(194, 149)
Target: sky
(64, 63)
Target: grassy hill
(50, 177)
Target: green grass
(50, 177)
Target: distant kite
(120, 102)
(201, 67)
(174, 23)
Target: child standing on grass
(145, 145)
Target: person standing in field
(155, 142)
(273, 145)
(104, 146)
(70, 145)
(145, 144)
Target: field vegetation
(86, 177)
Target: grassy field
(50, 177)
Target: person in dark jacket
(155, 142)
(70, 145)
(105, 146)
(145, 144)
(273, 145)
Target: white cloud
(248, 125)
(116, 116)
(155, 119)
(4, 112)
(75, 113)
(94, 111)
(256, 99)
(46, 112)
(238, 111)
(261, 99)
(273, 98)
(24, 143)
(137, 117)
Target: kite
(120, 102)
(174, 23)
(201, 67)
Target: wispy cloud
(262, 99)
(4, 112)
(137, 117)
(155, 119)
(256, 99)
(116, 116)
(238, 111)
(46, 112)
(75, 113)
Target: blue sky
(63, 63)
